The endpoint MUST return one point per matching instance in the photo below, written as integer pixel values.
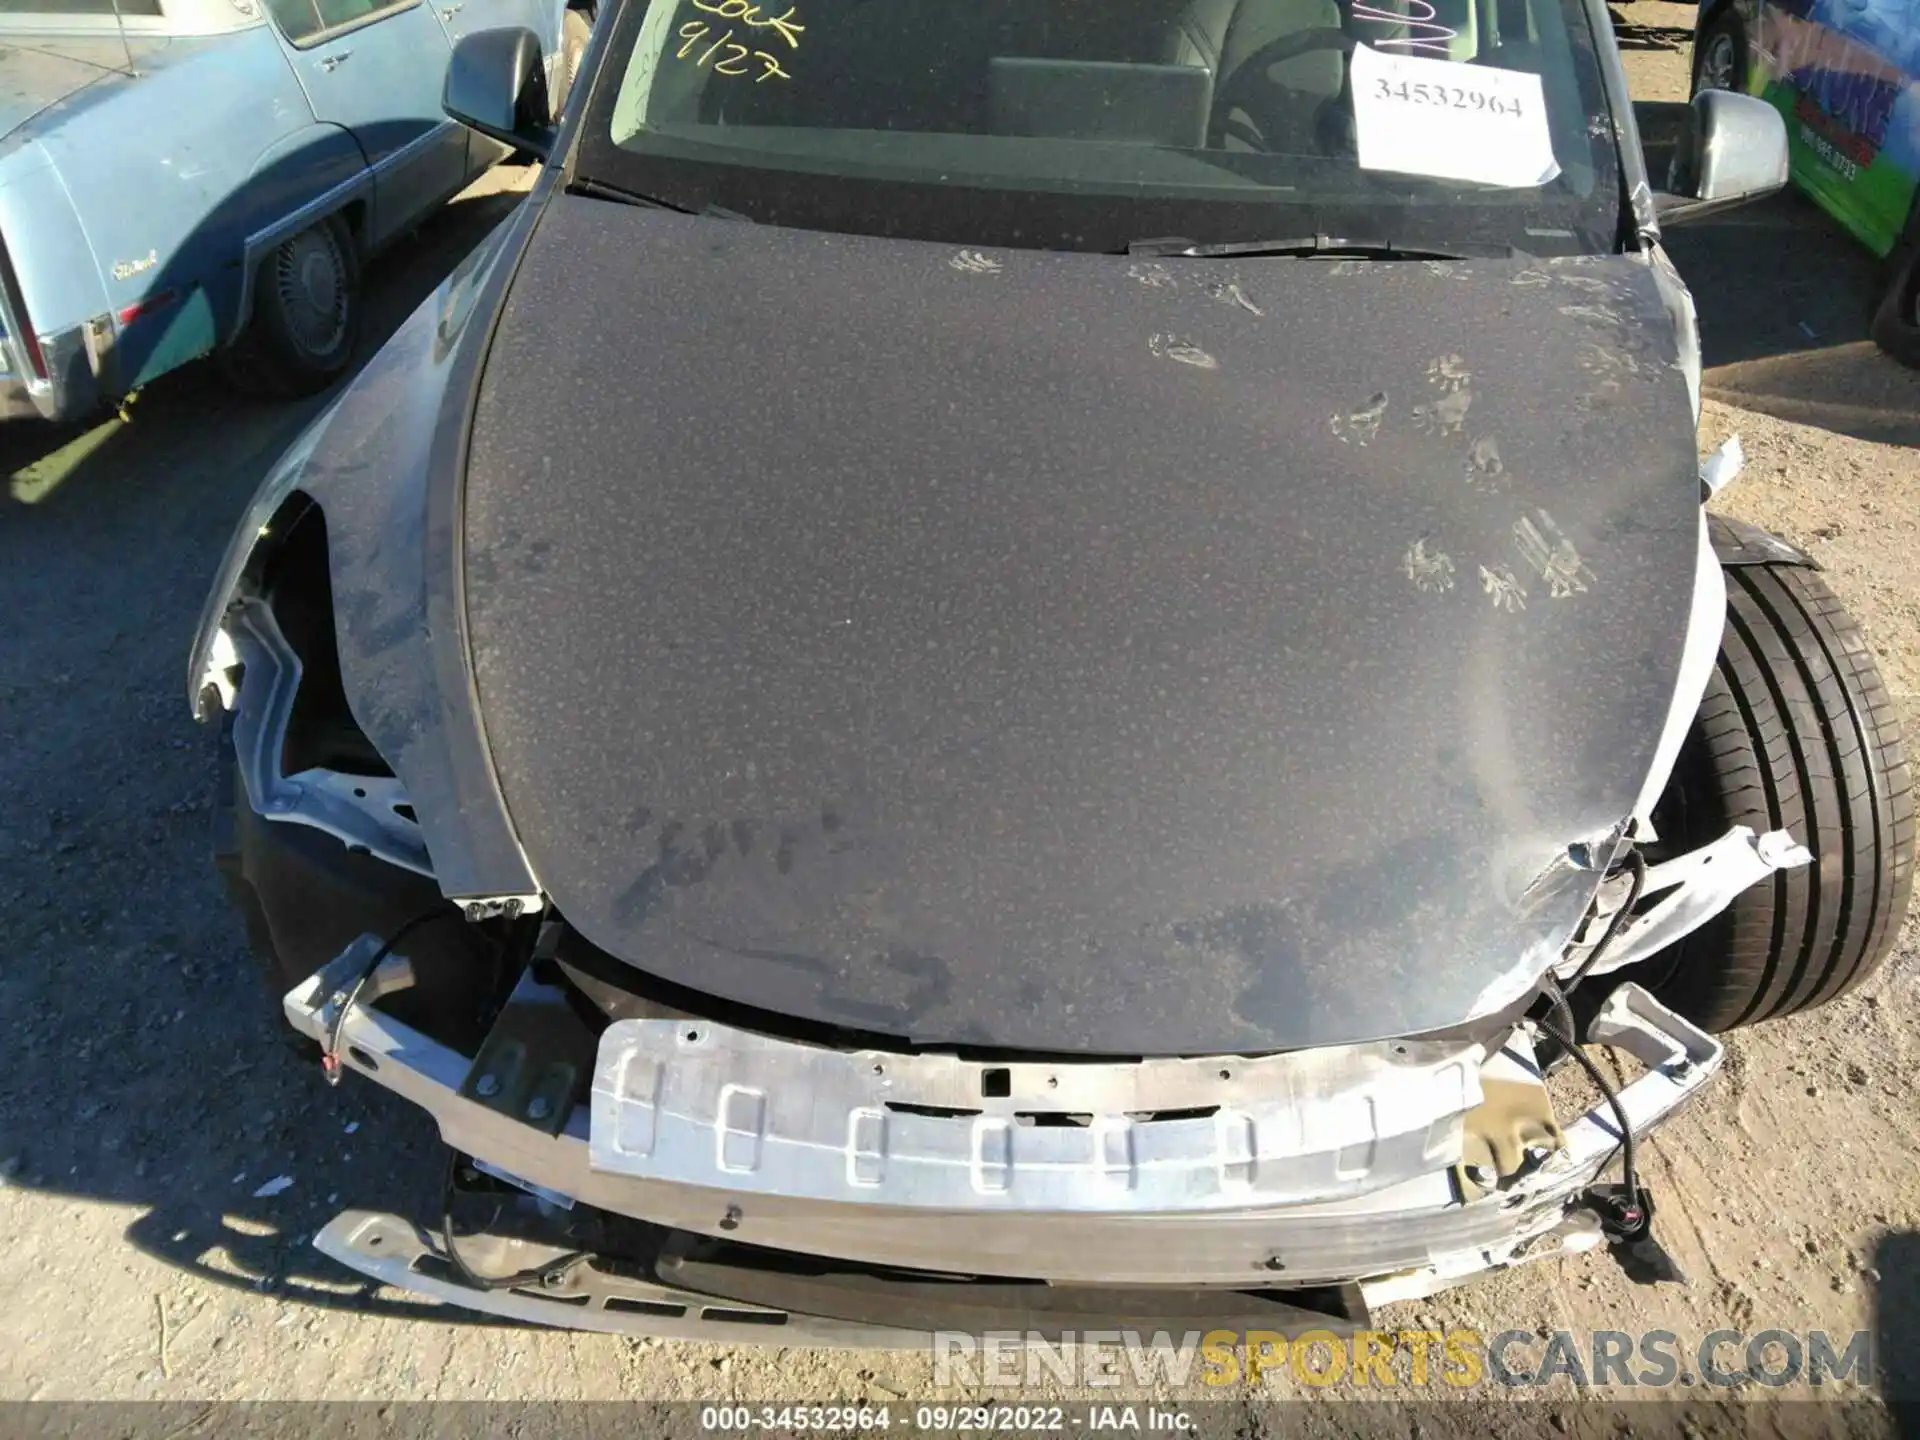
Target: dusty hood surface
(1063, 652)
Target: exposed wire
(1557, 998)
(330, 1051)
(1637, 863)
(551, 1273)
(1629, 1169)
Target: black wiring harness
(330, 1049)
(1633, 1217)
(1637, 863)
(554, 1272)
(1628, 1213)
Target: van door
(1844, 78)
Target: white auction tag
(1451, 121)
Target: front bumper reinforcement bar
(1405, 1239)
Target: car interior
(1248, 75)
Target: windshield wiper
(1178, 247)
(602, 191)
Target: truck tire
(1796, 732)
(306, 314)
(1721, 57)
(1896, 325)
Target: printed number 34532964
(1452, 97)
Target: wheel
(1896, 324)
(1720, 56)
(306, 314)
(1796, 732)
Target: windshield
(1096, 124)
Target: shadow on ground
(1785, 298)
(193, 418)
(1896, 1327)
(147, 1066)
(1632, 35)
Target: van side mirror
(497, 85)
(1732, 149)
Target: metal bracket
(1513, 1130)
(327, 990)
(501, 907)
(1697, 886)
(712, 1106)
(365, 811)
(1679, 1059)
(394, 1252)
(534, 1063)
(1717, 471)
(1736, 542)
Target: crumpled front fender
(384, 464)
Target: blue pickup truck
(179, 177)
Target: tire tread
(1796, 732)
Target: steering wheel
(1246, 87)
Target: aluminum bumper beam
(1409, 1238)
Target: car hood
(1070, 653)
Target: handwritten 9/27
(735, 56)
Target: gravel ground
(146, 1104)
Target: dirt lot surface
(145, 1103)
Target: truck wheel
(1796, 732)
(306, 314)
(1720, 55)
(1896, 325)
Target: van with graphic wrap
(1845, 75)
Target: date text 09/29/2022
(941, 1419)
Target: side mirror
(1732, 149)
(497, 85)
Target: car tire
(1896, 324)
(1796, 732)
(1721, 56)
(306, 314)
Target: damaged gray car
(1034, 665)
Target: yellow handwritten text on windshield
(783, 25)
(727, 55)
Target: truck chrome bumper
(1404, 1239)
